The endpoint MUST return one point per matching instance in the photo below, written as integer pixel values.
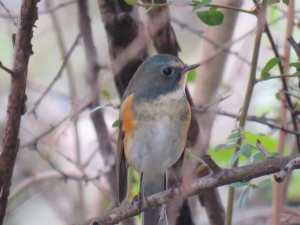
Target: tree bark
(16, 99)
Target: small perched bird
(154, 120)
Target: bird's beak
(191, 67)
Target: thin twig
(58, 75)
(284, 82)
(295, 46)
(262, 149)
(212, 164)
(261, 20)
(56, 7)
(7, 70)
(75, 112)
(8, 12)
(261, 120)
(219, 48)
(277, 76)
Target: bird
(153, 124)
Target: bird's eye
(167, 71)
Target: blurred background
(41, 194)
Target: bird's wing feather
(122, 167)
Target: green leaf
(265, 71)
(257, 133)
(107, 205)
(199, 4)
(212, 17)
(295, 64)
(220, 146)
(287, 2)
(264, 183)
(242, 199)
(297, 72)
(237, 135)
(131, 2)
(253, 185)
(277, 95)
(239, 184)
(256, 156)
(106, 95)
(191, 77)
(246, 150)
(276, 154)
(225, 146)
(187, 157)
(252, 146)
(297, 107)
(116, 123)
(234, 158)
(264, 75)
(200, 168)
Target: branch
(262, 149)
(58, 75)
(92, 79)
(261, 20)
(212, 164)
(7, 70)
(16, 99)
(278, 76)
(221, 178)
(219, 48)
(74, 113)
(295, 46)
(283, 70)
(295, 163)
(8, 12)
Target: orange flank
(127, 119)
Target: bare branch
(212, 164)
(8, 12)
(75, 112)
(16, 99)
(225, 177)
(295, 46)
(295, 163)
(7, 70)
(261, 120)
(58, 75)
(262, 149)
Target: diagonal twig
(58, 75)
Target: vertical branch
(123, 26)
(261, 18)
(16, 99)
(92, 76)
(279, 192)
(73, 96)
(63, 50)
(161, 30)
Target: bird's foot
(139, 198)
(177, 185)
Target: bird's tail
(152, 184)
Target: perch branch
(223, 177)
